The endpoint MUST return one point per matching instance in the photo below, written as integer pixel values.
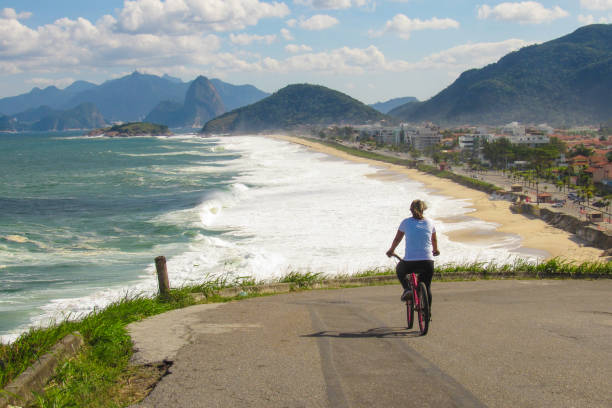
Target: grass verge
(100, 376)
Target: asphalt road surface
(512, 343)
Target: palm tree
(589, 192)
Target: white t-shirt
(417, 235)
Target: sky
(373, 50)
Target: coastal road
(532, 343)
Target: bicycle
(417, 300)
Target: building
(422, 137)
(601, 173)
(513, 129)
(532, 140)
(381, 134)
(518, 134)
(473, 141)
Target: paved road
(492, 343)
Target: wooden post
(162, 275)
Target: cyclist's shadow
(379, 332)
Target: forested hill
(385, 107)
(566, 81)
(294, 105)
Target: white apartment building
(468, 142)
(517, 134)
(382, 134)
(421, 137)
(513, 129)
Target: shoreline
(536, 235)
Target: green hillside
(295, 105)
(566, 81)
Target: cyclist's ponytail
(417, 208)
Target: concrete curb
(21, 390)
(384, 279)
(288, 287)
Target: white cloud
(403, 26)
(590, 19)
(78, 44)
(596, 4)
(325, 4)
(291, 22)
(464, 56)
(188, 16)
(11, 14)
(319, 22)
(526, 12)
(246, 39)
(357, 61)
(294, 48)
(333, 4)
(343, 60)
(286, 34)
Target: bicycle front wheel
(423, 309)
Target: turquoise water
(80, 214)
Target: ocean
(82, 218)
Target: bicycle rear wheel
(423, 309)
(410, 311)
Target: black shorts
(425, 270)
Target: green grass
(104, 358)
(302, 279)
(99, 376)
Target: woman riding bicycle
(421, 247)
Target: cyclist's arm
(398, 238)
(434, 243)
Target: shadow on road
(380, 332)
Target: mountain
(385, 107)
(84, 116)
(130, 97)
(202, 102)
(566, 81)
(167, 112)
(236, 96)
(6, 123)
(294, 105)
(79, 86)
(50, 96)
(34, 114)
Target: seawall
(583, 229)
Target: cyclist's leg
(401, 270)
(425, 276)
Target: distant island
(132, 129)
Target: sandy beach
(536, 235)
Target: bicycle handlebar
(397, 256)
